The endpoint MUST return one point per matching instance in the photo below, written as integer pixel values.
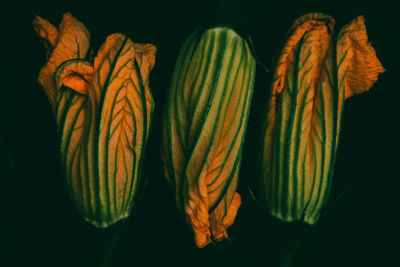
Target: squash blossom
(103, 110)
(314, 74)
(204, 128)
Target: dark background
(38, 224)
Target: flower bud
(204, 128)
(103, 111)
(314, 74)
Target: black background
(38, 224)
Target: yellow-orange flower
(205, 123)
(103, 111)
(315, 73)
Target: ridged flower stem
(288, 237)
(287, 252)
(107, 240)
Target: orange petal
(108, 49)
(297, 32)
(224, 216)
(145, 55)
(357, 61)
(74, 74)
(72, 42)
(198, 219)
(77, 83)
(46, 31)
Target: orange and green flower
(315, 72)
(103, 110)
(204, 128)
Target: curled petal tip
(357, 58)
(47, 33)
(202, 237)
(314, 19)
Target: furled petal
(358, 66)
(320, 27)
(74, 74)
(204, 129)
(70, 42)
(47, 33)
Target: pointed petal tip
(364, 66)
(202, 238)
(67, 16)
(148, 49)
